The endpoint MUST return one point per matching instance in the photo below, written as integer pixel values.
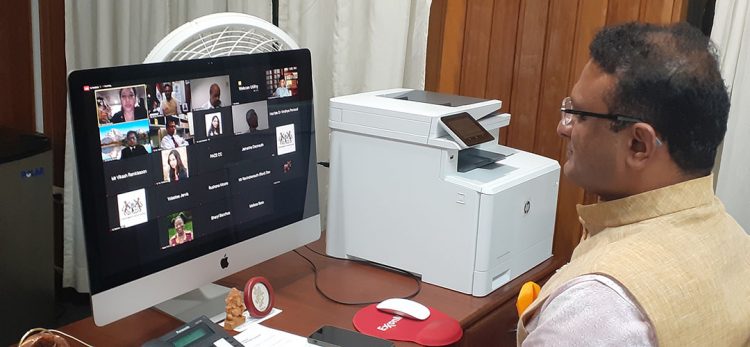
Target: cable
(389, 268)
(43, 330)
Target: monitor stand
(207, 300)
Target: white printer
(412, 187)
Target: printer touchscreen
(465, 128)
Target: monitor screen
(190, 171)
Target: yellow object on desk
(527, 295)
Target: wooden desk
(487, 321)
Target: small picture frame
(259, 297)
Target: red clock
(259, 297)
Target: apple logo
(224, 262)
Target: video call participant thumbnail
(132, 147)
(104, 111)
(180, 229)
(248, 87)
(210, 93)
(175, 164)
(210, 124)
(127, 174)
(252, 206)
(171, 139)
(127, 209)
(213, 155)
(282, 83)
(169, 105)
(213, 217)
(130, 106)
(288, 167)
(168, 197)
(211, 186)
(113, 137)
(213, 125)
(250, 118)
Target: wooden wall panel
(533, 57)
(621, 11)
(477, 41)
(532, 30)
(435, 29)
(555, 76)
(16, 67)
(656, 11)
(679, 10)
(54, 87)
(502, 55)
(451, 52)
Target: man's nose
(563, 130)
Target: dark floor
(71, 306)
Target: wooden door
(16, 67)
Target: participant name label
(221, 215)
(252, 147)
(286, 110)
(178, 196)
(249, 177)
(128, 175)
(218, 185)
(256, 204)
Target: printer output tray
(472, 158)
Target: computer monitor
(190, 171)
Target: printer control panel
(465, 129)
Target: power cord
(389, 268)
(53, 331)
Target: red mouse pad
(437, 330)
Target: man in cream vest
(660, 261)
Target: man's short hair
(669, 77)
(131, 132)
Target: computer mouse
(404, 307)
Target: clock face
(261, 297)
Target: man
(214, 98)
(251, 117)
(282, 91)
(133, 148)
(172, 140)
(169, 105)
(660, 261)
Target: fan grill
(229, 40)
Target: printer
(418, 182)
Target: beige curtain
(355, 45)
(731, 32)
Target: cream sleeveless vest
(683, 259)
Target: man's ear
(643, 144)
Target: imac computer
(190, 171)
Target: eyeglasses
(567, 112)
